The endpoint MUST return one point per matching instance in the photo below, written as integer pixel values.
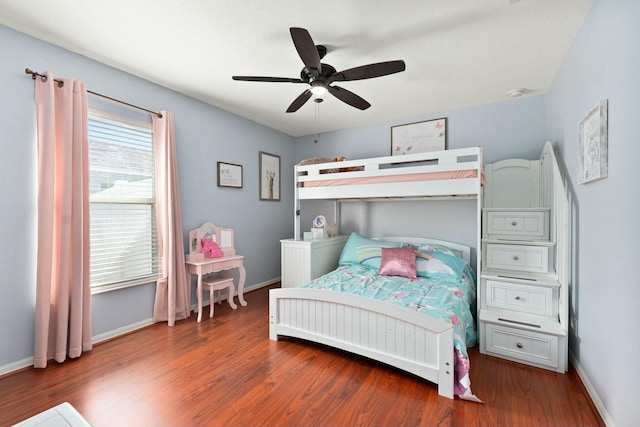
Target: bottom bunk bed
(406, 302)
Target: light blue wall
(604, 64)
(204, 136)
(509, 129)
(516, 128)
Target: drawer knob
(516, 257)
(518, 298)
(519, 345)
(514, 223)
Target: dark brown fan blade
(306, 49)
(267, 79)
(349, 97)
(299, 101)
(368, 71)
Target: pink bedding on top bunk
(425, 176)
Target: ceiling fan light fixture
(318, 89)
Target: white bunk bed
(442, 174)
(378, 330)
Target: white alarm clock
(319, 222)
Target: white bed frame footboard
(381, 331)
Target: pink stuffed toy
(212, 247)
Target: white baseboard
(194, 304)
(261, 285)
(121, 331)
(602, 410)
(24, 363)
(11, 367)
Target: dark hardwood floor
(226, 372)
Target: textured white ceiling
(458, 53)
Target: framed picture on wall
(593, 145)
(420, 137)
(229, 175)
(269, 170)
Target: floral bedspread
(449, 301)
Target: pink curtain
(172, 291)
(63, 293)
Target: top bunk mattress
(425, 176)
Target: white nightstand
(305, 260)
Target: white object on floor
(63, 415)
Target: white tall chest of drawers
(523, 287)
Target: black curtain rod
(60, 83)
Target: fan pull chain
(317, 101)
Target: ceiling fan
(320, 76)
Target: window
(122, 202)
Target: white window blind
(122, 202)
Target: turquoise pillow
(438, 262)
(361, 250)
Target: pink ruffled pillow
(212, 247)
(399, 262)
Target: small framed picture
(229, 175)
(420, 137)
(269, 170)
(593, 145)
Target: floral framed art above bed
(419, 137)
